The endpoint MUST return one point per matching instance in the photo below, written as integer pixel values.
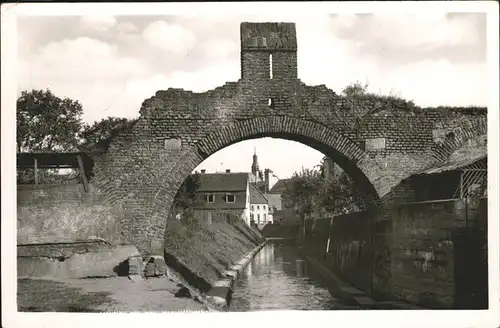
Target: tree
(303, 191)
(338, 196)
(47, 123)
(315, 196)
(186, 197)
(102, 129)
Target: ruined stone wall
(378, 142)
(64, 213)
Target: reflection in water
(278, 278)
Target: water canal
(278, 278)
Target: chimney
(266, 179)
(203, 171)
(228, 171)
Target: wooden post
(35, 168)
(461, 184)
(82, 172)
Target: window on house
(264, 218)
(210, 198)
(264, 207)
(251, 207)
(258, 218)
(258, 207)
(230, 198)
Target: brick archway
(457, 135)
(378, 142)
(354, 161)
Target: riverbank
(202, 253)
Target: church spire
(255, 164)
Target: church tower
(255, 164)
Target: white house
(259, 206)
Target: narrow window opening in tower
(270, 103)
(270, 66)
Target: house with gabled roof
(221, 195)
(259, 206)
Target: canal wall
(348, 253)
(435, 251)
(220, 294)
(439, 253)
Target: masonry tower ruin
(268, 51)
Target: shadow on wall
(470, 258)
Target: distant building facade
(259, 206)
(245, 195)
(222, 195)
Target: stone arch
(364, 170)
(456, 136)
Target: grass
(36, 295)
(207, 250)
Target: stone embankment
(220, 294)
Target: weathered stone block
(150, 270)
(155, 266)
(375, 144)
(135, 265)
(173, 144)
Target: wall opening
(270, 66)
(270, 103)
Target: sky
(111, 64)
